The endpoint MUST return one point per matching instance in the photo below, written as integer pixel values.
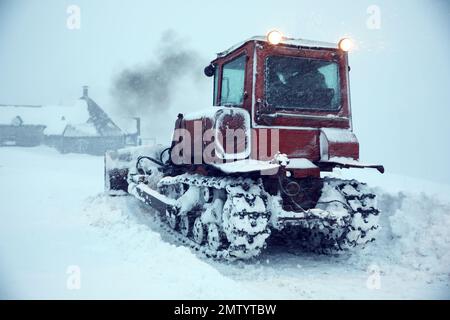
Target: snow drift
(63, 219)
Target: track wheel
(185, 225)
(172, 218)
(207, 194)
(214, 237)
(198, 231)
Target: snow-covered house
(82, 128)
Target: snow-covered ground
(54, 220)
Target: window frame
(216, 87)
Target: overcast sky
(400, 76)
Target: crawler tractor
(253, 165)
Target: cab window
(233, 76)
(302, 83)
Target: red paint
(346, 150)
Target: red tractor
(250, 166)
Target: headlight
(346, 44)
(274, 37)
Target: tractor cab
(294, 89)
(285, 82)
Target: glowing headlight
(274, 37)
(346, 44)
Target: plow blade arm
(347, 163)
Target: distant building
(82, 128)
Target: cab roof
(294, 42)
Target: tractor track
(247, 226)
(355, 225)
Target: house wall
(54, 141)
(23, 135)
(90, 145)
(33, 135)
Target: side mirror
(209, 70)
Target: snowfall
(56, 224)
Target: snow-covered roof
(81, 130)
(54, 118)
(285, 41)
(128, 125)
(101, 121)
(84, 118)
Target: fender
(340, 143)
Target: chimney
(85, 91)
(138, 126)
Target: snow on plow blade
(116, 172)
(117, 165)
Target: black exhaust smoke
(148, 90)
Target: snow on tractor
(250, 166)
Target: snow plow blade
(115, 175)
(117, 165)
